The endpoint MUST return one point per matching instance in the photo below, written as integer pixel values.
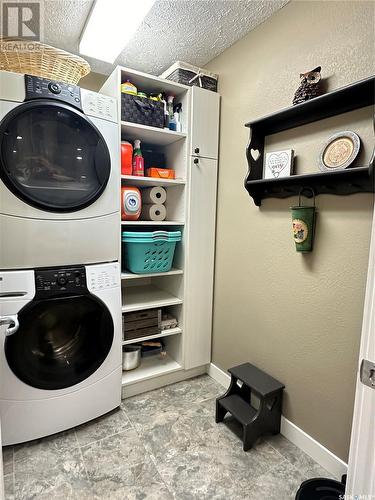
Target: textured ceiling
(193, 31)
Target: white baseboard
(156, 382)
(297, 436)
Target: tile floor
(160, 445)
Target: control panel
(99, 105)
(102, 277)
(37, 88)
(60, 281)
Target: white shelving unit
(151, 367)
(186, 290)
(153, 223)
(152, 135)
(132, 276)
(151, 181)
(138, 298)
(166, 333)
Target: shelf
(132, 276)
(152, 84)
(150, 135)
(341, 182)
(353, 96)
(164, 333)
(150, 367)
(152, 223)
(138, 298)
(151, 181)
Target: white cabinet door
(200, 269)
(204, 122)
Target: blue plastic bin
(149, 252)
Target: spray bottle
(138, 161)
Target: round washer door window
(53, 157)
(60, 342)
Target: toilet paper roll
(155, 195)
(153, 212)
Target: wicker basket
(42, 60)
(188, 74)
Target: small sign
(21, 20)
(278, 164)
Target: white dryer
(60, 348)
(59, 174)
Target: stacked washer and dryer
(60, 288)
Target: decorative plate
(339, 151)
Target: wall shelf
(164, 333)
(150, 367)
(152, 223)
(151, 181)
(138, 298)
(132, 276)
(343, 182)
(150, 135)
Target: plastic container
(131, 203)
(131, 357)
(160, 173)
(149, 252)
(321, 489)
(126, 158)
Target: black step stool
(247, 379)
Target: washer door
(60, 342)
(52, 156)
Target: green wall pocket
(303, 224)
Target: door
(201, 255)
(60, 341)
(361, 467)
(52, 156)
(204, 122)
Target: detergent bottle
(126, 158)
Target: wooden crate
(141, 324)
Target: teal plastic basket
(149, 252)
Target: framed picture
(339, 151)
(279, 164)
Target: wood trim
(361, 478)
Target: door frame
(361, 467)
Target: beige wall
(93, 81)
(296, 316)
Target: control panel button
(54, 88)
(62, 280)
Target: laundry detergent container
(149, 252)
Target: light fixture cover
(111, 24)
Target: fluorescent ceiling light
(111, 24)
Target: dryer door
(60, 342)
(52, 156)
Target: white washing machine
(59, 174)
(60, 355)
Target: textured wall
(296, 316)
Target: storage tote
(188, 74)
(141, 110)
(149, 252)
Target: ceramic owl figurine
(309, 86)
